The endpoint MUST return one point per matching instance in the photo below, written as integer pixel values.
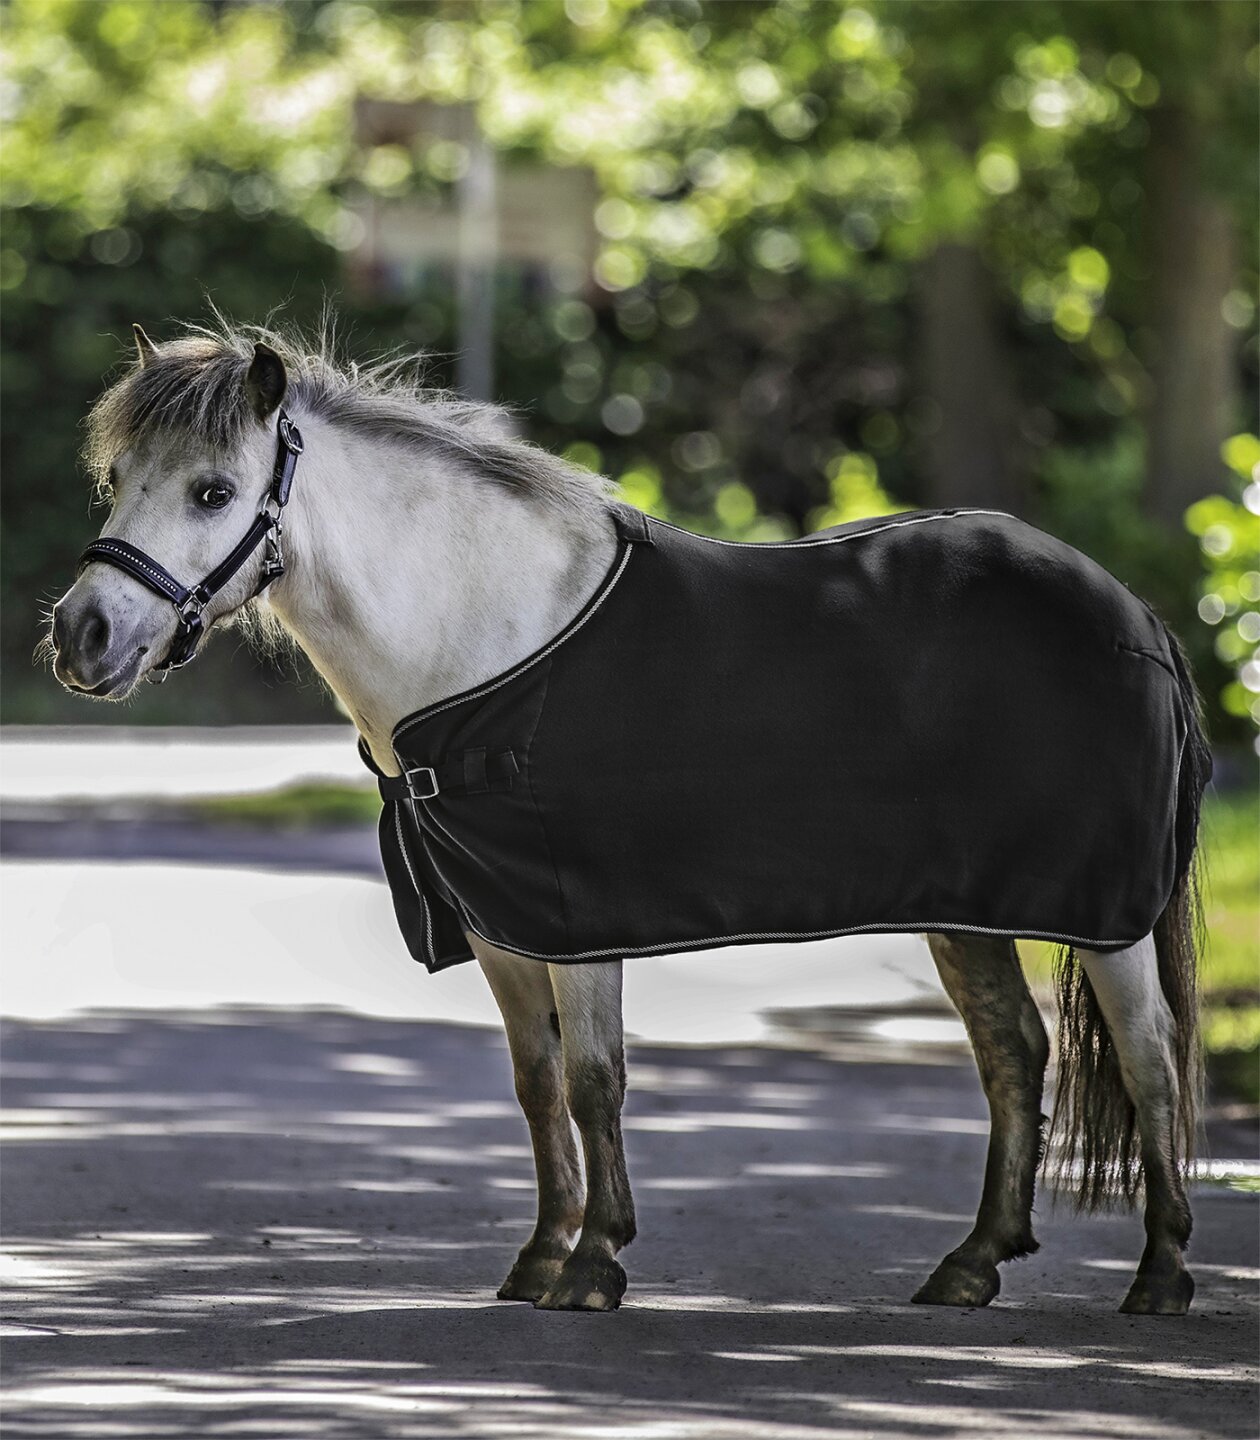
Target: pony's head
(188, 448)
(182, 447)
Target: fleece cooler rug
(938, 721)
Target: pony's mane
(195, 385)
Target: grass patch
(1231, 901)
(1244, 1184)
(296, 807)
(1231, 960)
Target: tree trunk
(1196, 401)
(969, 453)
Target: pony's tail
(1094, 1126)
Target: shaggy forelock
(194, 386)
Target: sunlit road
(166, 915)
(44, 764)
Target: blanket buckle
(431, 784)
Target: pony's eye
(215, 495)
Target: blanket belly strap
(474, 772)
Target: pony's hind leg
(588, 998)
(983, 978)
(522, 990)
(1127, 986)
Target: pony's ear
(146, 350)
(266, 381)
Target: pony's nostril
(92, 636)
(60, 630)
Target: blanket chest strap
(475, 772)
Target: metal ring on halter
(273, 559)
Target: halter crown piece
(190, 602)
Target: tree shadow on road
(270, 1223)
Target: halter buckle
(290, 435)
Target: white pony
(424, 554)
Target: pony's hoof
(531, 1277)
(953, 1283)
(587, 1282)
(1168, 1294)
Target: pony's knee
(595, 1089)
(983, 978)
(1012, 1051)
(539, 1086)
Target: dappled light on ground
(274, 1224)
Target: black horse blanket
(938, 721)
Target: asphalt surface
(290, 1222)
(285, 1224)
(85, 833)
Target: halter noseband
(189, 603)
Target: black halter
(190, 602)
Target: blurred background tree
(771, 265)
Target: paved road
(280, 1222)
(81, 833)
(283, 1225)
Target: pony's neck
(409, 580)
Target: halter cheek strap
(190, 602)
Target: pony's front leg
(1127, 987)
(588, 998)
(983, 978)
(522, 989)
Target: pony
(426, 551)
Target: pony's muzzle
(91, 657)
(87, 638)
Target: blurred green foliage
(1231, 964)
(1228, 531)
(1231, 852)
(299, 807)
(771, 180)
